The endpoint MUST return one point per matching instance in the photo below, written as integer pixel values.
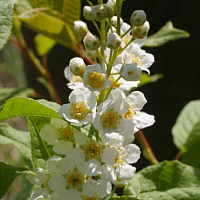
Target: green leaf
(7, 93)
(21, 106)
(6, 12)
(166, 34)
(145, 79)
(40, 150)
(50, 24)
(22, 6)
(71, 11)
(43, 44)
(7, 175)
(187, 119)
(192, 148)
(169, 181)
(20, 139)
(42, 3)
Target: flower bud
(99, 12)
(131, 72)
(114, 21)
(109, 11)
(91, 42)
(138, 18)
(77, 66)
(80, 29)
(92, 54)
(87, 13)
(113, 41)
(112, 3)
(141, 31)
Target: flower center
(77, 79)
(79, 110)
(45, 181)
(93, 150)
(75, 179)
(67, 133)
(95, 80)
(116, 85)
(130, 112)
(135, 59)
(110, 119)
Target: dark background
(178, 61)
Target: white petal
(51, 164)
(137, 99)
(80, 137)
(71, 194)
(129, 139)
(104, 188)
(132, 153)
(49, 134)
(109, 155)
(64, 165)
(76, 154)
(39, 177)
(56, 196)
(92, 167)
(40, 193)
(126, 127)
(90, 187)
(143, 120)
(63, 147)
(112, 139)
(57, 183)
(108, 173)
(125, 171)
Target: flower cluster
(93, 140)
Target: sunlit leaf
(166, 34)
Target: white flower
(43, 178)
(140, 119)
(80, 28)
(98, 189)
(113, 41)
(131, 72)
(59, 134)
(114, 21)
(109, 117)
(91, 42)
(138, 18)
(74, 81)
(95, 79)
(82, 107)
(141, 31)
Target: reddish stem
(177, 157)
(148, 153)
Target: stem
(96, 26)
(50, 81)
(101, 56)
(148, 153)
(127, 31)
(131, 40)
(177, 157)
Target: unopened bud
(109, 11)
(112, 3)
(113, 41)
(99, 12)
(87, 13)
(92, 54)
(131, 72)
(138, 18)
(141, 31)
(77, 66)
(91, 42)
(80, 29)
(114, 21)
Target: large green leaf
(43, 44)
(124, 198)
(187, 119)
(192, 147)
(169, 181)
(42, 3)
(7, 93)
(20, 139)
(71, 11)
(50, 24)
(22, 106)
(6, 12)
(166, 34)
(7, 175)
(40, 150)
